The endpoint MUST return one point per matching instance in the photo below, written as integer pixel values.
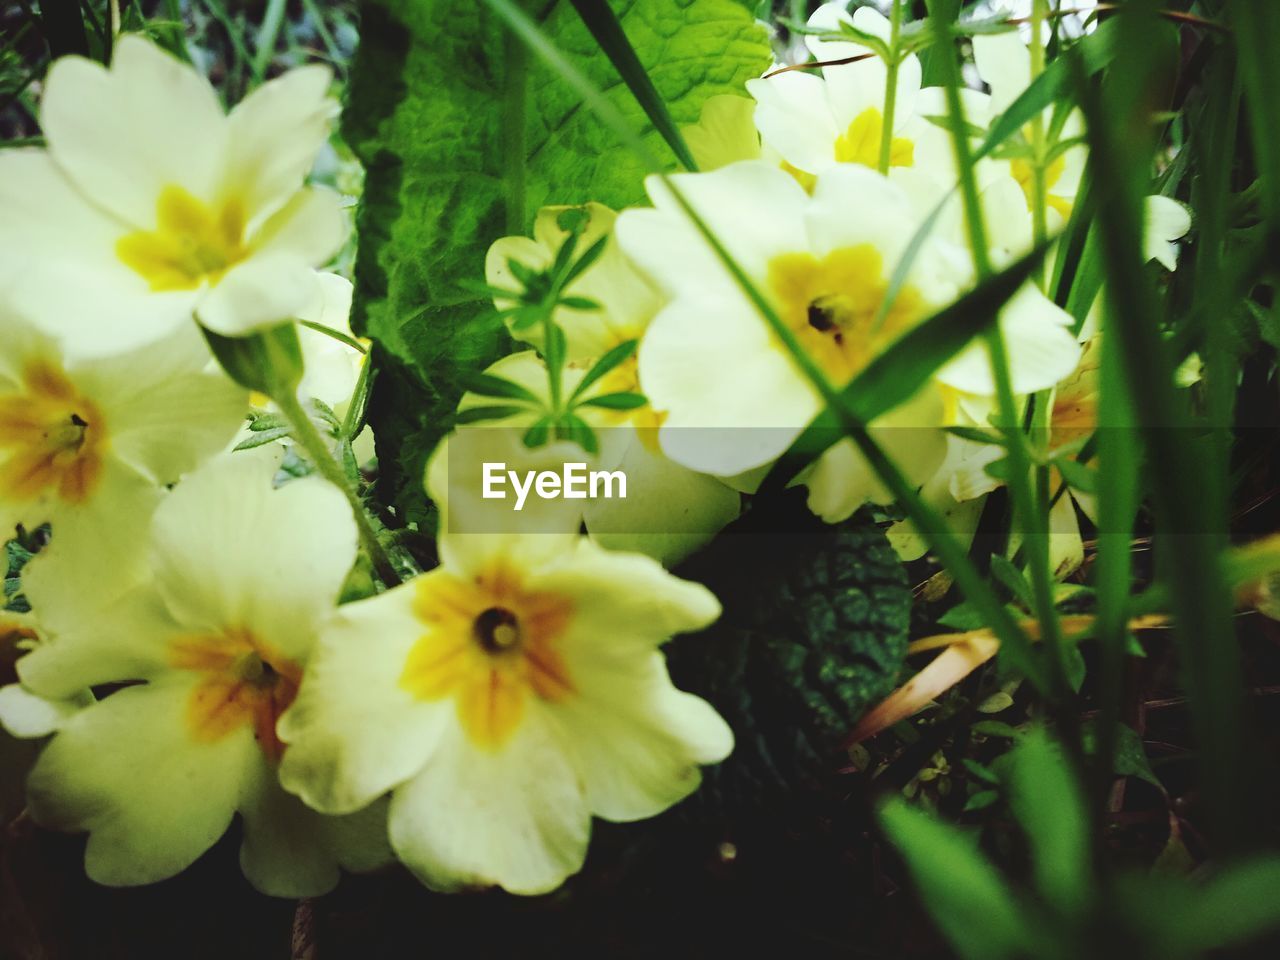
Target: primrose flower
(330, 367)
(673, 510)
(709, 360)
(504, 698)
(625, 301)
(155, 771)
(814, 122)
(86, 444)
(151, 203)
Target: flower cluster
(200, 645)
(187, 656)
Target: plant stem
(890, 87)
(268, 33)
(317, 450)
(1034, 524)
(1039, 186)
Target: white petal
(274, 135)
(671, 510)
(266, 290)
(793, 118)
(639, 741)
(98, 548)
(1166, 220)
(1066, 549)
(93, 645)
(165, 411)
(621, 601)
(126, 770)
(1039, 345)
(669, 248)
(232, 552)
(910, 435)
(725, 132)
(311, 226)
(28, 716)
(515, 817)
(283, 853)
(1004, 62)
(733, 400)
(354, 732)
(123, 135)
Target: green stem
(1034, 524)
(268, 33)
(1039, 185)
(890, 87)
(317, 450)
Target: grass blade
(607, 30)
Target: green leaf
(462, 142)
(958, 885)
(617, 401)
(1047, 801)
(1256, 27)
(1078, 476)
(488, 385)
(611, 359)
(497, 411)
(1096, 51)
(1012, 579)
(607, 29)
(269, 362)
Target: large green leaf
(463, 137)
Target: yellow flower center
(1024, 173)
(861, 143)
(831, 305)
(192, 242)
(242, 682)
(491, 645)
(54, 438)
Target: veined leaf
(462, 144)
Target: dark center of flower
(496, 630)
(825, 316)
(257, 672)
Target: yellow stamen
(490, 644)
(831, 305)
(861, 143)
(192, 242)
(243, 682)
(54, 436)
(1024, 173)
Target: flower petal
(125, 770)
(794, 119)
(124, 134)
(264, 291)
(639, 741)
(667, 246)
(231, 552)
(515, 817)
(93, 645)
(354, 732)
(733, 400)
(165, 410)
(274, 135)
(1040, 347)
